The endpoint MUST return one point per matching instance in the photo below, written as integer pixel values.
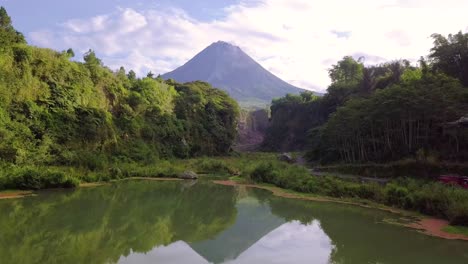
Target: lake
(200, 222)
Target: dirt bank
(15, 194)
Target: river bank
(16, 194)
(420, 196)
(429, 226)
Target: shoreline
(425, 225)
(17, 194)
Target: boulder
(287, 157)
(188, 175)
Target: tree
(450, 55)
(131, 75)
(395, 122)
(347, 71)
(5, 20)
(70, 53)
(8, 35)
(91, 59)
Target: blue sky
(31, 15)
(298, 40)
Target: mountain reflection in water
(172, 222)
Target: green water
(184, 222)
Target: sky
(297, 40)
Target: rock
(286, 157)
(188, 175)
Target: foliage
(30, 178)
(426, 197)
(291, 118)
(382, 113)
(450, 55)
(396, 122)
(216, 166)
(348, 70)
(456, 230)
(57, 112)
(422, 169)
(8, 35)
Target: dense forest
(58, 111)
(384, 112)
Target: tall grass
(33, 178)
(424, 196)
(404, 168)
(100, 170)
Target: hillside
(56, 111)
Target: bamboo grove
(384, 112)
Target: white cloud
(95, 24)
(298, 243)
(297, 40)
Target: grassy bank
(424, 196)
(46, 177)
(403, 168)
(420, 195)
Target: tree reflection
(100, 225)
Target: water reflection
(292, 242)
(299, 244)
(102, 224)
(178, 252)
(169, 222)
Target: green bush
(3, 183)
(424, 196)
(215, 166)
(160, 169)
(90, 160)
(36, 179)
(266, 172)
(403, 168)
(457, 213)
(397, 196)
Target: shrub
(36, 179)
(424, 196)
(397, 195)
(90, 160)
(3, 182)
(265, 172)
(457, 211)
(215, 166)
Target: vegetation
(64, 122)
(291, 118)
(63, 113)
(422, 169)
(456, 230)
(423, 196)
(389, 120)
(401, 121)
(382, 113)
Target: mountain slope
(227, 67)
